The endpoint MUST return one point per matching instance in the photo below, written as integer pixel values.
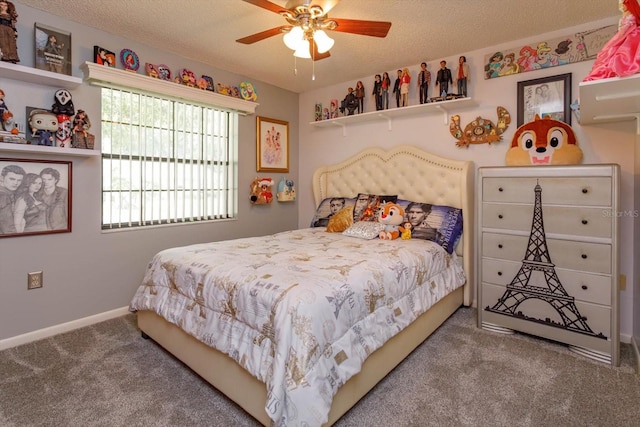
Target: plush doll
(391, 215)
(544, 142)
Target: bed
(297, 355)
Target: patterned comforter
(300, 310)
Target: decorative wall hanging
(272, 145)
(129, 60)
(547, 96)
(248, 92)
(480, 131)
(52, 49)
(577, 47)
(286, 190)
(35, 197)
(261, 191)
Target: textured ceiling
(422, 30)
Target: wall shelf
(49, 151)
(443, 107)
(37, 76)
(610, 100)
(107, 76)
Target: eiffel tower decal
(538, 261)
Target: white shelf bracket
(445, 114)
(384, 116)
(343, 126)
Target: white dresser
(547, 259)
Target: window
(165, 161)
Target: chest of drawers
(547, 259)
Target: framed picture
(35, 197)
(52, 49)
(103, 56)
(547, 96)
(272, 145)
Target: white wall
(88, 271)
(611, 143)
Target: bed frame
(411, 173)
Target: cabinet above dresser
(548, 254)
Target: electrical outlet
(34, 280)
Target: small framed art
(547, 96)
(104, 56)
(52, 49)
(41, 195)
(272, 140)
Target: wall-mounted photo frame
(547, 96)
(35, 197)
(52, 49)
(272, 145)
(104, 56)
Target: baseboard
(636, 351)
(61, 328)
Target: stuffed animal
(544, 142)
(391, 215)
(261, 191)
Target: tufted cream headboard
(412, 174)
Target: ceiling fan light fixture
(294, 38)
(303, 50)
(323, 41)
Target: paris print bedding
(300, 310)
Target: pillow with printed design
(366, 206)
(329, 207)
(439, 224)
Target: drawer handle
(499, 273)
(500, 189)
(500, 216)
(585, 222)
(500, 245)
(584, 287)
(585, 190)
(584, 256)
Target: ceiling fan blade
(326, 5)
(313, 51)
(365, 28)
(263, 34)
(265, 4)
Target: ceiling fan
(308, 21)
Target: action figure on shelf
(443, 79)
(8, 32)
(396, 88)
(349, 103)
(377, 91)
(405, 82)
(386, 83)
(462, 76)
(620, 56)
(360, 96)
(80, 137)
(424, 80)
(5, 114)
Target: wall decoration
(286, 190)
(41, 194)
(317, 115)
(480, 131)
(103, 56)
(547, 96)
(164, 72)
(248, 92)
(577, 47)
(129, 60)
(210, 86)
(52, 49)
(261, 191)
(272, 139)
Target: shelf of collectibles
(613, 99)
(6, 147)
(440, 107)
(12, 71)
(100, 75)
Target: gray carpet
(461, 376)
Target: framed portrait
(104, 57)
(272, 145)
(35, 197)
(52, 49)
(547, 96)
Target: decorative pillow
(440, 224)
(366, 206)
(329, 207)
(364, 230)
(341, 221)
